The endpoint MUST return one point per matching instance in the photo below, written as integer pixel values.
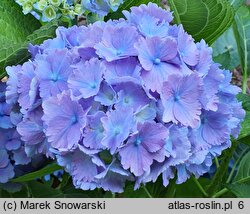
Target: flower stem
(199, 186)
(235, 165)
(220, 193)
(217, 162)
(146, 190)
(244, 82)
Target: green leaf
(189, 189)
(243, 173)
(47, 31)
(38, 174)
(127, 5)
(224, 59)
(130, 3)
(129, 192)
(244, 136)
(236, 3)
(40, 190)
(242, 34)
(245, 99)
(242, 176)
(239, 190)
(245, 129)
(16, 54)
(17, 31)
(203, 19)
(225, 50)
(69, 191)
(14, 29)
(219, 176)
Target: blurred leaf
(240, 152)
(131, 3)
(70, 191)
(203, 19)
(22, 193)
(239, 190)
(245, 99)
(225, 50)
(65, 180)
(17, 31)
(106, 156)
(127, 5)
(224, 59)
(40, 190)
(244, 136)
(189, 189)
(219, 176)
(243, 174)
(242, 34)
(129, 192)
(236, 3)
(38, 174)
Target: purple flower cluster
(125, 100)
(12, 150)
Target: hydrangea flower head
(120, 101)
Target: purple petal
(70, 117)
(117, 125)
(180, 99)
(87, 78)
